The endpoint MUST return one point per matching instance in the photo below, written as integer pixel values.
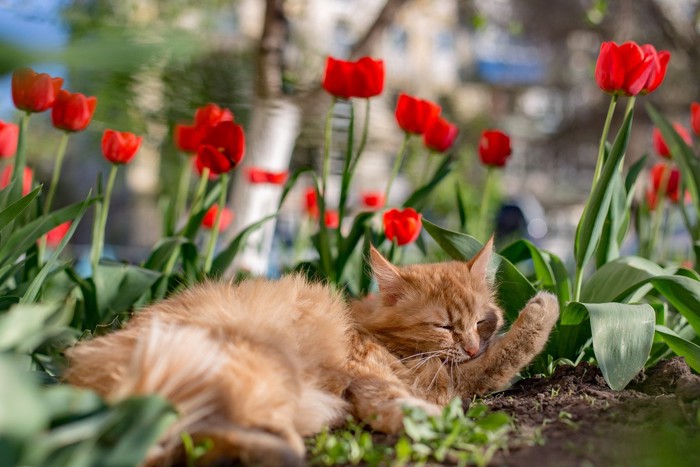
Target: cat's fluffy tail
(190, 368)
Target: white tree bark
(270, 142)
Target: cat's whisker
(434, 352)
(442, 364)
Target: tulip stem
(60, 153)
(604, 139)
(214, 235)
(397, 165)
(20, 157)
(328, 138)
(363, 139)
(485, 201)
(659, 210)
(199, 194)
(101, 212)
(182, 190)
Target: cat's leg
(510, 353)
(376, 393)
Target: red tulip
(415, 115)
(373, 199)
(188, 137)
(119, 147)
(222, 148)
(363, 78)
(331, 219)
(494, 148)
(402, 226)
(660, 145)
(311, 202)
(210, 217)
(659, 63)
(6, 176)
(695, 117)
(660, 171)
(211, 115)
(630, 69)
(72, 111)
(55, 235)
(9, 134)
(440, 135)
(34, 92)
(258, 175)
(199, 168)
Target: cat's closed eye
(447, 327)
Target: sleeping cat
(257, 366)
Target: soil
(573, 419)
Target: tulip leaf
(550, 271)
(616, 220)
(350, 242)
(195, 222)
(514, 290)
(224, 259)
(11, 212)
(573, 332)
(686, 349)
(617, 277)
(688, 163)
(590, 226)
(26, 326)
(163, 251)
(622, 338)
(22, 411)
(26, 236)
(118, 286)
(418, 199)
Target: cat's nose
(471, 349)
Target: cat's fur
(258, 365)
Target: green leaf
(682, 154)
(25, 327)
(549, 269)
(35, 285)
(418, 199)
(224, 259)
(350, 242)
(680, 346)
(617, 277)
(118, 286)
(163, 251)
(26, 236)
(514, 290)
(573, 332)
(617, 217)
(22, 410)
(190, 229)
(622, 338)
(590, 226)
(11, 212)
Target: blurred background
(525, 67)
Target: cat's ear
(479, 264)
(387, 275)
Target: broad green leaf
(224, 259)
(617, 277)
(113, 436)
(11, 212)
(514, 290)
(683, 294)
(591, 224)
(190, 229)
(617, 218)
(680, 346)
(22, 410)
(573, 332)
(622, 338)
(118, 286)
(688, 162)
(24, 327)
(549, 269)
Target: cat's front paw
(541, 312)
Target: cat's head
(445, 309)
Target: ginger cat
(259, 365)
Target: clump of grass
(455, 436)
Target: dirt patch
(574, 419)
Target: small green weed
(454, 436)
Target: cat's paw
(541, 312)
